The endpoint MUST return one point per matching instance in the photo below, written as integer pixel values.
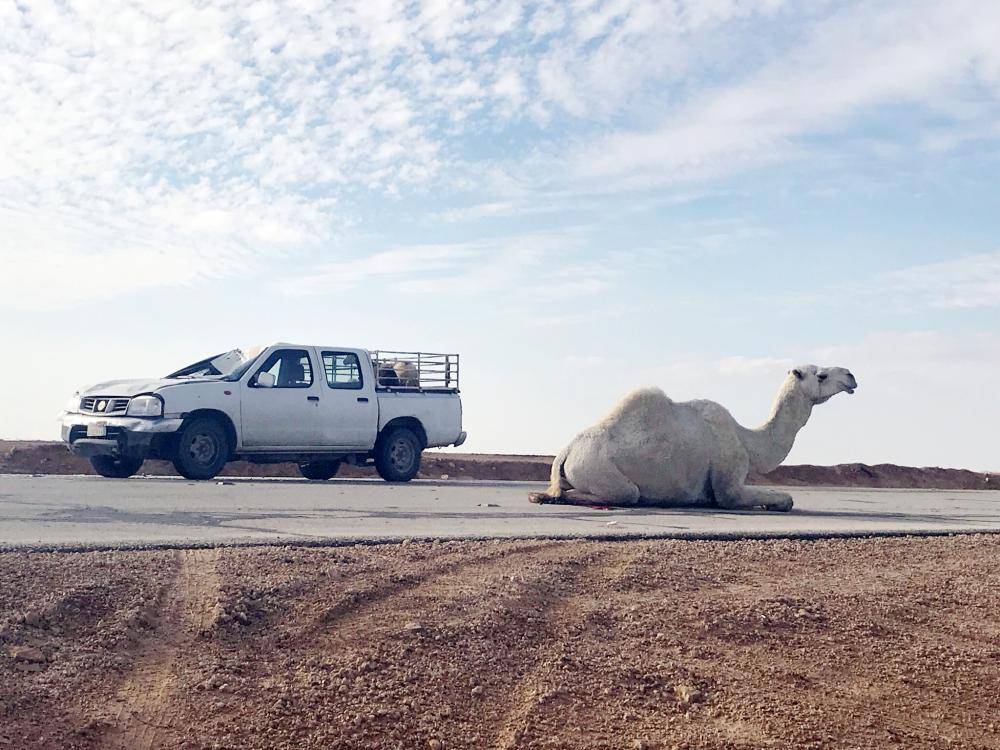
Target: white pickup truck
(318, 406)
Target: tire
(202, 449)
(115, 468)
(319, 470)
(397, 455)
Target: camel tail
(555, 491)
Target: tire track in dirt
(344, 616)
(534, 566)
(601, 571)
(146, 717)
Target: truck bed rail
(415, 371)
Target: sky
(578, 197)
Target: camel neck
(769, 444)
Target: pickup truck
(318, 406)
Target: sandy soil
(665, 644)
(27, 457)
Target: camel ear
(797, 374)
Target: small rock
(434, 744)
(413, 626)
(688, 694)
(444, 476)
(611, 523)
(28, 654)
(639, 745)
(34, 619)
(477, 690)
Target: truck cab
(317, 406)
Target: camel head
(820, 384)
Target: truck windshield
(217, 365)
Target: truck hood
(131, 388)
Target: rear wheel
(397, 455)
(115, 468)
(202, 449)
(320, 470)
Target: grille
(78, 432)
(103, 405)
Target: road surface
(89, 512)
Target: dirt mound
(24, 457)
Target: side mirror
(265, 380)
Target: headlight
(145, 406)
(73, 405)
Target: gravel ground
(661, 644)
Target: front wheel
(115, 468)
(202, 449)
(319, 470)
(397, 455)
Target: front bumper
(461, 438)
(133, 437)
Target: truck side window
(343, 370)
(291, 368)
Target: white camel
(650, 450)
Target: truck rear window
(343, 370)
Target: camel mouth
(850, 391)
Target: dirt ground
(37, 457)
(658, 644)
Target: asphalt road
(90, 512)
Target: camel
(407, 373)
(650, 450)
(398, 374)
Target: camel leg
(587, 477)
(755, 497)
(599, 482)
(568, 497)
(736, 496)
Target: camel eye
(822, 376)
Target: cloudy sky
(578, 196)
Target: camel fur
(650, 450)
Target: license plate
(97, 429)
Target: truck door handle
(362, 399)
(313, 398)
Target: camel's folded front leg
(569, 497)
(741, 496)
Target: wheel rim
(203, 449)
(401, 455)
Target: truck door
(347, 402)
(280, 402)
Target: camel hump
(641, 400)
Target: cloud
(967, 282)
(216, 140)
(862, 57)
(512, 264)
(201, 132)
